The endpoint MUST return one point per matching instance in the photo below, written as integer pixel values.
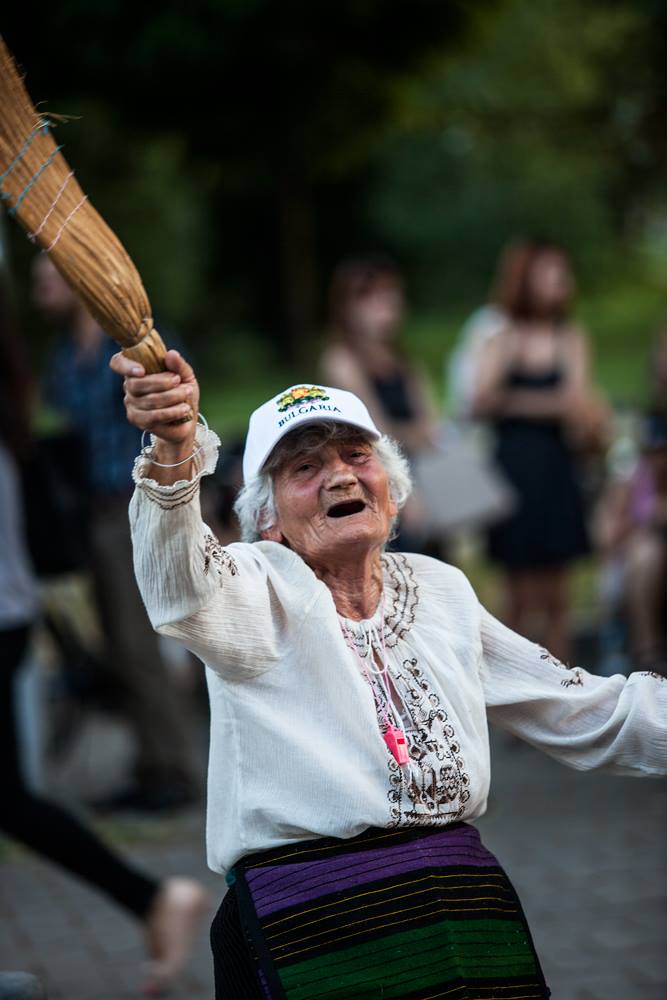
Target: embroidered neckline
(401, 597)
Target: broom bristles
(40, 189)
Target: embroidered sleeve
(583, 720)
(172, 546)
(214, 599)
(217, 558)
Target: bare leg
(171, 927)
(519, 600)
(556, 604)
(538, 607)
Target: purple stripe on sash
(276, 887)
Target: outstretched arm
(583, 720)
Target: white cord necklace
(393, 735)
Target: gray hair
(255, 505)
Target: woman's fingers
(149, 420)
(138, 383)
(160, 400)
(176, 363)
(165, 403)
(149, 384)
(123, 366)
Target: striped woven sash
(414, 913)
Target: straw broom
(39, 189)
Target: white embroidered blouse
(296, 746)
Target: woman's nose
(340, 473)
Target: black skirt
(548, 527)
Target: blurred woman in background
(366, 308)
(484, 323)
(532, 383)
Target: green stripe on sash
(409, 960)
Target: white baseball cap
(294, 407)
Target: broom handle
(149, 352)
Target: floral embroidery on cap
(301, 394)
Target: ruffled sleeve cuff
(207, 445)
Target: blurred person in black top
(367, 307)
(80, 386)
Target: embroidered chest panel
(433, 788)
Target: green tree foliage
(544, 123)
(240, 147)
(283, 101)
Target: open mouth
(346, 508)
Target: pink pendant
(397, 743)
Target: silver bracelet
(145, 449)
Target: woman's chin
(357, 530)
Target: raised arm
(583, 720)
(216, 600)
(170, 541)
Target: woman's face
(332, 504)
(551, 283)
(377, 314)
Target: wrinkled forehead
(311, 439)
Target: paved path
(588, 856)
(586, 852)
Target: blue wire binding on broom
(35, 177)
(21, 153)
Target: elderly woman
(350, 689)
